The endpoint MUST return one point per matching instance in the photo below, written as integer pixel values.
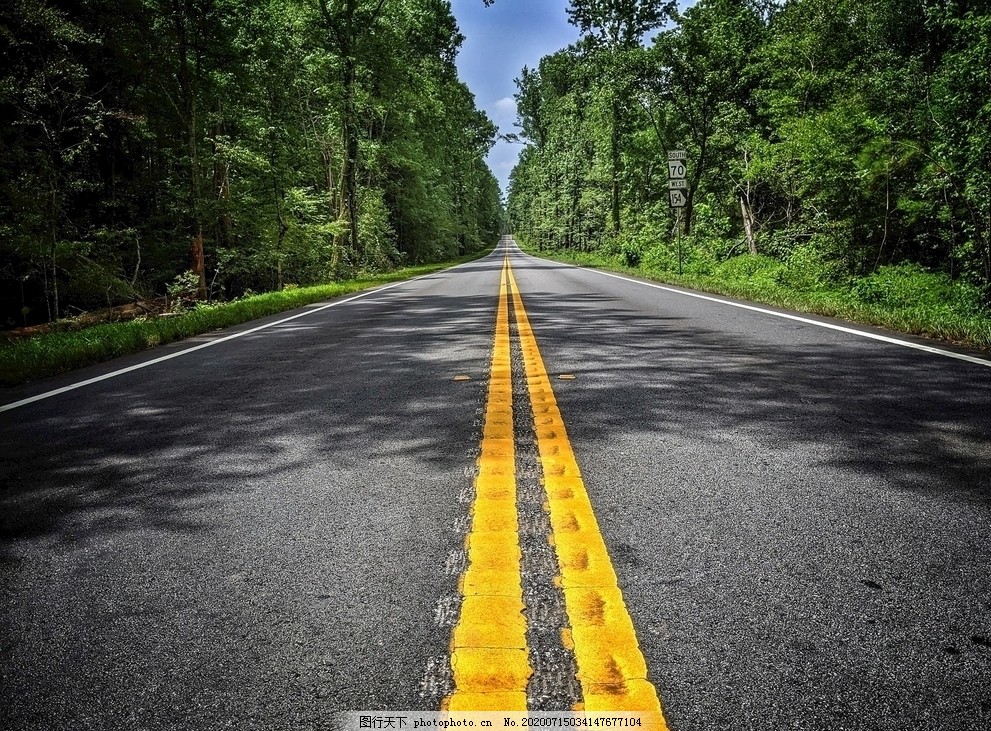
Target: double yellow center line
(488, 645)
(489, 653)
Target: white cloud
(505, 109)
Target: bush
(712, 229)
(910, 286)
(184, 287)
(808, 268)
(757, 268)
(661, 257)
(375, 234)
(632, 253)
(698, 260)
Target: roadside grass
(53, 353)
(903, 298)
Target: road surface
(283, 524)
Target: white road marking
(106, 376)
(786, 316)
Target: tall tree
(289, 141)
(619, 23)
(703, 71)
(614, 28)
(836, 135)
(349, 23)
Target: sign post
(677, 191)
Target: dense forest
(213, 147)
(826, 140)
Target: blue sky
(499, 41)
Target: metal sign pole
(677, 230)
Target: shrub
(712, 229)
(695, 259)
(631, 252)
(183, 287)
(660, 257)
(751, 268)
(911, 286)
(808, 268)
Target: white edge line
(786, 316)
(113, 374)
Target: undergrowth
(58, 352)
(904, 297)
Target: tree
(703, 71)
(619, 24)
(349, 23)
(835, 135)
(613, 29)
(289, 141)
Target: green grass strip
(938, 323)
(53, 353)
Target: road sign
(677, 171)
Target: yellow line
(488, 645)
(611, 667)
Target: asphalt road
(258, 533)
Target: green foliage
(661, 256)
(619, 22)
(181, 288)
(378, 246)
(712, 229)
(763, 272)
(297, 145)
(909, 286)
(57, 352)
(808, 267)
(831, 138)
(632, 254)
(909, 299)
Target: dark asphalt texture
(254, 535)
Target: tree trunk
(692, 188)
(616, 162)
(222, 188)
(55, 302)
(280, 241)
(748, 225)
(199, 264)
(280, 219)
(53, 217)
(344, 29)
(350, 173)
(189, 107)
